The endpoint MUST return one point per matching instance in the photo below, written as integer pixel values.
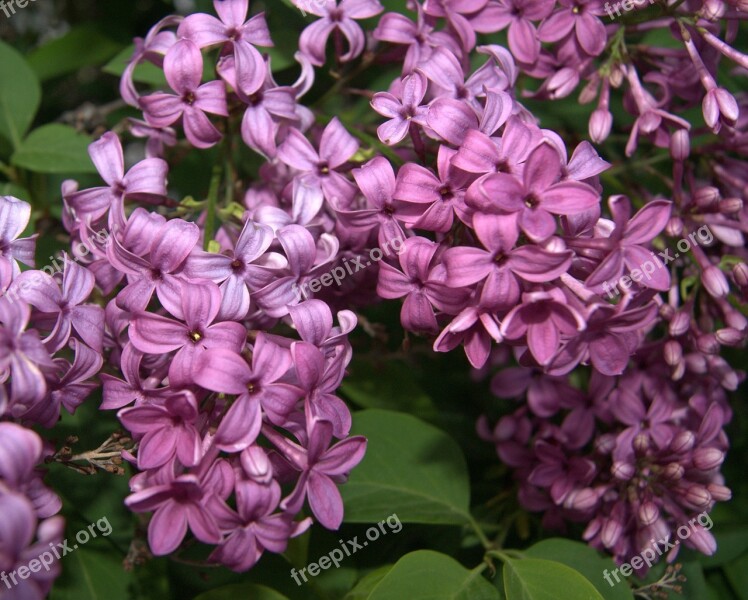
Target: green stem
(210, 217)
(485, 542)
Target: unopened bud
(673, 471)
(715, 282)
(641, 443)
(713, 10)
(682, 442)
(674, 227)
(679, 324)
(680, 145)
(698, 496)
(601, 122)
(719, 492)
(673, 353)
(648, 513)
(696, 363)
(729, 336)
(706, 197)
(740, 274)
(707, 343)
(623, 471)
(666, 312)
(730, 206)
(583, 499)
(707, 459)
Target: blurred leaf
(54, 148)
(737, 574)
(586, 561)
(144, 72)
(366, 584)
(20, 94)
(92, 574)
(82, 46)
(428, 575)
(731, 544)
(386, 384)
(539, 579)
(411, 469)
(245, 590)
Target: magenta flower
(403, 111)
(14, 217)
(191, 500)
(154, 334)
(542, 319)
(40, 290)
(321, 468)
(118, 392)
(627, 244)
(168, 430)
(183, 68)
(581, 17)
(233, 28)
(502, 266)
(538, 196)
(335, 17)
(420, 286)
(144, 182)
(258, 388)
(318, 169)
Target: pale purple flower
(335, 18)
(14, 217)
(403, 111)
(183, 68)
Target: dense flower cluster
(227, 378)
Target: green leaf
(429, 575)
(731, 544)
(82, 46)
(366, 585)
(411, 469)
(386, 384)
(20, 94)
(54, 148)
(244, 590)
(540, 579)
(92, 574)
(586, 561)
(737, 574)
(144, 72)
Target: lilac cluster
(624, 388)
(50, 347)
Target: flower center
(189, 98)
(195, 336)
(532, 201)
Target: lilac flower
(475, 328)
(627, 244)
(41, 291)
(158, 137)
(193, 500)
(321, 468)
(183, 68)
(254, 528)
(581, 16)
(14, 217)
(537, 196)
(501, 266)
(154, 334)
(258, 388)
(167, 252)
(335, 18)
(144, 182)
(168, 430)
(233, 28)
(418, 283)
(234, 270)
(319, 168)
(542, 319)
(428, 201)
(118, 393)
(401, 111)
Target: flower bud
(616, 76)
(648, 513)
(673, 471)
(583, 499)
(601, 122)
(740, 274)
(730, 206)
(697, 496)
(611, 533)
(672, 352)
(666, 312)
(707, 459)
(713, 10)
(719, 492)
(706, 197)
(729, 336)
(680, 323)
(623, 471)
(641, 443)
(680, 145)
(696, 363)
(605, 443)
(707, 343)
(682, 442)
(256, 464)
(674, 227)
(715, 282)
